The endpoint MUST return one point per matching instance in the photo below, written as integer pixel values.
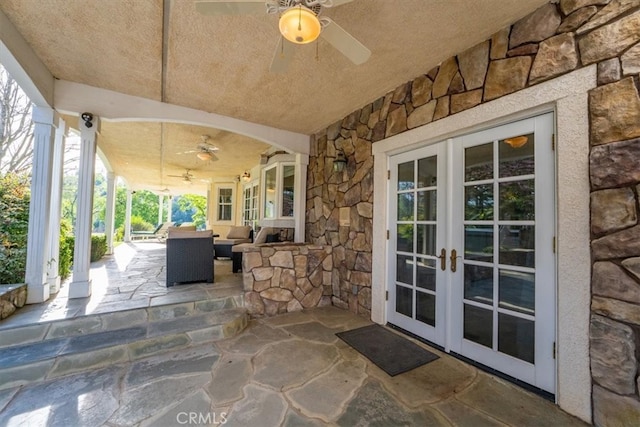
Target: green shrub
(98, 246)
(14, 224)
(67, 241)
(118, 236)
(139, 224)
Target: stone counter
(284, 277)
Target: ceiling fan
(204, 150)
(187, 177)
(300, 23)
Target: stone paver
(287, 370)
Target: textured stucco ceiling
(221, 64)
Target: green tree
(14, 224)
(195, 205)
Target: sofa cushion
(239, 232)
(261, 237)
(178, 233)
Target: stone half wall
(285, 277)
(554, 40)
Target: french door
(471, 242)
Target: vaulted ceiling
(166, 51)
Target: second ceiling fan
(300, 23)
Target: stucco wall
(555, 40)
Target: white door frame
(567, 96)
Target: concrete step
(33, 353)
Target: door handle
(454, 260)
(443, 259)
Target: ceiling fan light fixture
(204, 155)
(299, 25)
(516, 141)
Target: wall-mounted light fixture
(246, 176)
(88, 119)
(340, 161)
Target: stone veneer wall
(284, 277)
(556, 39)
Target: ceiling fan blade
(335, 3)
(230, 7)
(348, 45)
(282, 56)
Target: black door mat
(389, 351)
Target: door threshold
(535, 390)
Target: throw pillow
(239, 232)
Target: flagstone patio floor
(288, 370)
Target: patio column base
(37, 293)
(54, 285)
(80, 289)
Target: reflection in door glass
(516, 156)
(478, 202)
(427, 172)
(405, 238)
(517, 200)
(426, 273)
(478, 284)
(426, 308)
(405, 207)
(405, 176)
(517, 245)
(404, 300)
(478, 162)
(478, 242)
(517, 291)
(426, 239)
(478, 325)
(516, 337)
(404, 269)
(426, 206)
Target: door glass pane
(426, 308)
(426, 273)
(404, 300)
(478, 202)
(516, 159)
(404, 269)
(405, 176)
(426, 205)
(478, 325)
(517, 291)
(478, 242)
(288, 179)
(427, 172)
(405, 207)
(426, 239)
(517, 200)
(516, 337)
(478, 284)
(405, 238)
(517, 245)
(478, 162)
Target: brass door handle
(443, 259)
(454, 260)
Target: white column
(81, 284)
(169, 203)
(300, 196)
(53, 276)
(160, 208)
(109, 216)
(127, 218)
(40, 207)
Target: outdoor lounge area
(463, 175)
(279, 371)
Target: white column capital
(45, 116)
